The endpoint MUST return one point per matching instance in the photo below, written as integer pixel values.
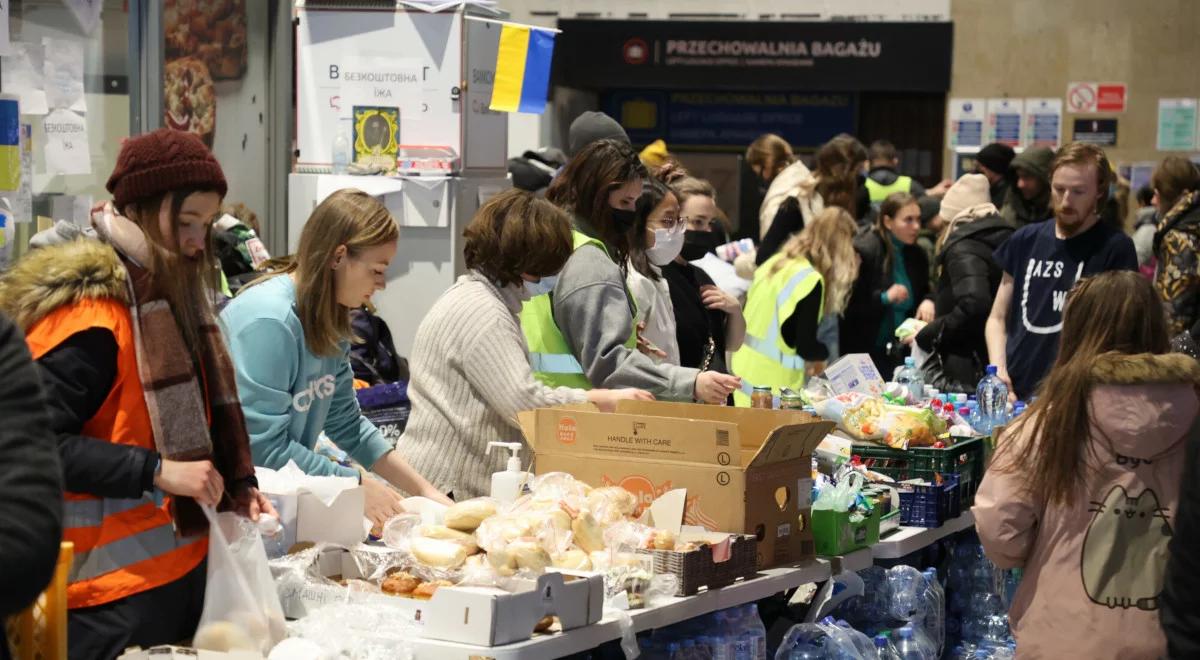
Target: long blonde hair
(828, 244)
(347, 217)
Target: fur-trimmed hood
(1145, 404)
(51, 277)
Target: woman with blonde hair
(1083, 492)
(289, 333)
(808, 280)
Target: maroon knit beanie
(156, 163)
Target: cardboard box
(836, 534)
(745, 470)
(483, 616)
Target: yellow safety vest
(880, 192)
(765, 359)
(553, 361)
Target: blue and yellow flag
(523, 69)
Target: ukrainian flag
(522, 69)
(10, 140)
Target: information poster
(1043, 122)
(966, 118)
(1176, 124)
(1102, 132)
(1004, 117)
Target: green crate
(835, 535)
(965, 458)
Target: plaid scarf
(193, 416)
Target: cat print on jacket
(1125, 551)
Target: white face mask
(667, 245)
(542, 286)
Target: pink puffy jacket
(1094, 568)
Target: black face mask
(623, 220)
(696, 244)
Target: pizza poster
(205, 43)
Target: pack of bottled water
(737, 633)
(902, 612)
(978, 598)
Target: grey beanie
(590, 127)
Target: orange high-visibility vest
(122, 546)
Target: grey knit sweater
(470, 378)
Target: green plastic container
(834, 534)
(966, 458)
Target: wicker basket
(40, 631)
(696, 570)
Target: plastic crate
(696, 570)
(930, 506)
(965, 459)
(40, 631)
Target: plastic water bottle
(806, 651)
(935, 612)
(973, 416)
(743, 648)
(911, 378)
(756, 630)
(907, 647)
(993, 400)
(932, 393)
(881, 648)
(722, 648)
(342, 151)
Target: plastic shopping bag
(241, 607)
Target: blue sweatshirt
(289, 395)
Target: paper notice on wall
(87, 12)
(966, 118)
(1043, 122)
(381, 81)
(6, 235)
(64, 74)
(5, 44)
(1176, 124)
(23, 207)
(66, 149)
(21, 73)
(1005, 118)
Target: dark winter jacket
(966, 287)
(1177, 248)
(374, 357)
(31, 492)
(1019, 211)
(1180, 600)
(865, 311)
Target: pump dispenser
(507, 485)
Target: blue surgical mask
(542, 286)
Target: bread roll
(438, 553)
(400, 584)
(611, 504)
(529, 556)
(428, 589)
(588, 534)
(573, 559)
(466, 516)
(663, 540)
(443, 533)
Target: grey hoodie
(593, 311)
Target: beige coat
(1094, 569)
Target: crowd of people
(609, 277)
